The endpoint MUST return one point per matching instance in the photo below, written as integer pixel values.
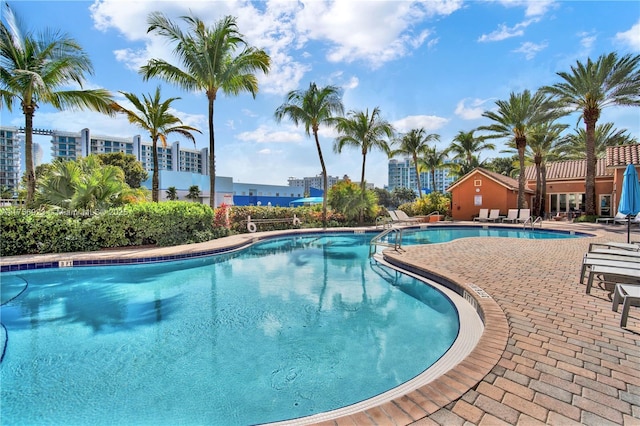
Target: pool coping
(409, 407)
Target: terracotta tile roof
(506, 181)
(620, 156)
(573, 169)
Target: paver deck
(550, 353)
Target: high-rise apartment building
(402, 174)
(74, 145)
(313, 182)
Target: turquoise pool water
(443, 234)
(287, 328)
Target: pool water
(443, 234)
(284, 329)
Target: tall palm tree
(311, 108)
(590, 87)
(153, 115)
(415, 144)
(514, 119)
(213, 58)
(543, 144)
(364, 131)
(172, 193)
(465, 146)
(33, 69)
(434, 160)
(575, 144)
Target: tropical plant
(311, 108)
(465, 146)
(462, 168)
(85, 184)
(213, 58)
(346, 198)
(401, 195)
(6, 192)
(588, 88)
(134, 173)
(172, 193)
(503, 165)
(33, 69)
(575, 144)
(415, 144)
(194, 193)
(153, 115)
(433, 160)
(384, 197)
(514, 119)
(543, 145)
(366, 132)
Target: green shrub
(164, 224)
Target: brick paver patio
(550, 354)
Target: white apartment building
(402, 174)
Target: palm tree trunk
(212, 156)
(154, 179)
(590, 183)
(28, 148)
(325, 180)
(521, 145)
(362, 187)
(543, 196)
(415, 164)
(536, 207)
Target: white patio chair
(482, 215)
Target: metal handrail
(375, 241)
(538, 220)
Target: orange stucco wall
(494, 196)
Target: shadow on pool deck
(550, 353)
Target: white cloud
(265, 134)
(587, 39)
(428, 122)
(473, 110)
(630, 37)
(530, 50)
(503, 32)
(532, 7)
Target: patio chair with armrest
(403, 217)
(612, 274)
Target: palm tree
(433, 160)
(364, 131)
(415, 144)
(172, 193)
(153, 115)
(575, 144)
(544, 144)
(465, 145)
(514, 119)
(211, 62)
(311, 108)
(86, 184)
(33, 69)
(611, 80)
(194, 193)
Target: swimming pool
(228, 340)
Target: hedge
(162, 224)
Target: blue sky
(432, 64)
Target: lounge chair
(613, 274)
(627, 294)
(482, 215)
(615, 245)
(512, 216)
(620, 262)
(524, 215)
(403, 217)
(625, 253)
(494, 215)
(622, 218)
